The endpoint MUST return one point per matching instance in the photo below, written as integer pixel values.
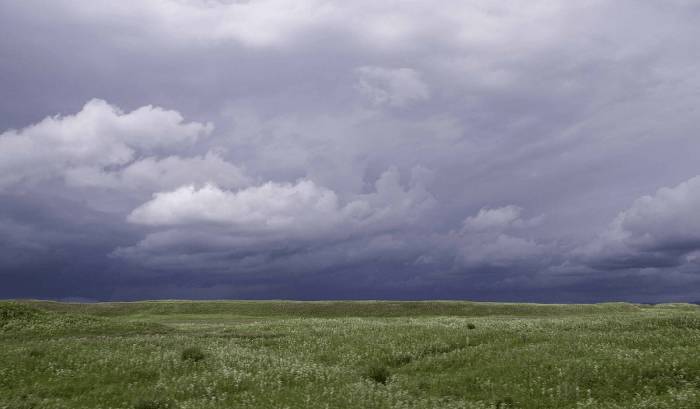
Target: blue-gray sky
(313, 149)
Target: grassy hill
(369, 354)
(329, 309)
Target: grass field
(151, 355)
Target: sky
(542, 151)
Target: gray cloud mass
(542, 151)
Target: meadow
(278, 354)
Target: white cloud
(283, 207)
(489, 238)
(98, 136)
(155, 174)
(208, 222)
(499, 218)
(392, 86)
(657, 230)
(669, 216)
(271, 206)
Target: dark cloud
(318, 149)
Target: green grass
(248, 354)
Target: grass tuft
(377, 373)
(505, 403)
(152, 404)
(194, 354)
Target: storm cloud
(322, 149)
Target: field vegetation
(245, 354)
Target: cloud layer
(322, 149)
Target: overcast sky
(312, 149)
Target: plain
(362, 354)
